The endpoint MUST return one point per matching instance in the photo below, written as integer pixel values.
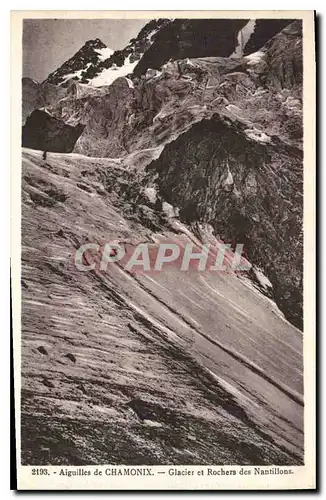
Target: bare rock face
(32, 97)
(88, 55)
(249, 191)
(192, 38)
(281, 65)
(205, 38)
(264, 31)
(47, 133)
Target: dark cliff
(264, 31)
(249, 192)
(281, 66)
(192, 38)
(47, 133)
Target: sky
(48, 43)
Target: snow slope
(109, 75)
(180, 368)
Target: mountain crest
(96, 43)
(97, 65)
(91, 54)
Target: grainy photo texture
(162, 245)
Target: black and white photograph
(164, 308)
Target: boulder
(45, 132)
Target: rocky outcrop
(45, 132)
(205, 38)
(32, 97)
(192, 38)
(75, 68)
(281, 64)
(264, 31)
(250, 191)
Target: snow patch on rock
(151, 194)
(257, 135)
(76, 74)
(104, 53)
(254, 58)
(130, 83)
(169, 210)
(262, 279)
(152, 423)
(109, 75)
(228, 182)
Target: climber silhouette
(46, 146)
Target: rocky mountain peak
(122, 62)
(91, 54)
(92, 62)
(95, 43)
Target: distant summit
(92, 53)
(98, 65)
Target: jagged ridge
(90, 55)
